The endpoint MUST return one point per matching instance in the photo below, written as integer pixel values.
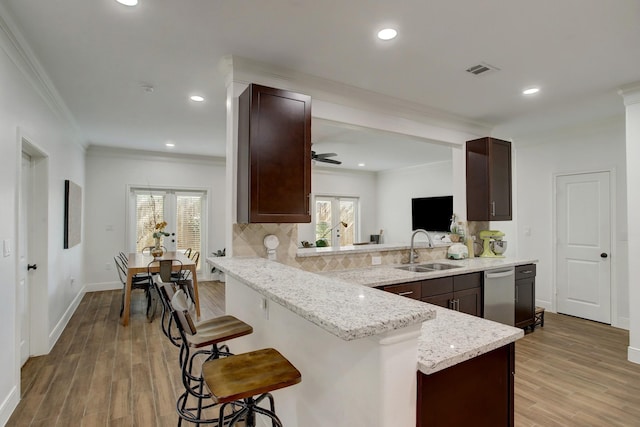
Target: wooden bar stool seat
(197, 341)
(249, 377)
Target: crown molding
(20, 53)
(117, 152)
(630, 93)
(243, 70)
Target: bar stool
(201, 340)
(237, 380)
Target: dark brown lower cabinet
(462, 293)
(478, 392)
(525, 307)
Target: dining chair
(137, 282)
(195, 257)
(187, 252)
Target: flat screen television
(432, 213)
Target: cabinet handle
(527, 271)
(404, 294)
(309, 204)
(516, 294)
(493, 208)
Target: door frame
(129, 220)
(37, 251)
(613, 258)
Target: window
(182, 210)
(329, 212)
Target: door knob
(603, 255)
(32, 267)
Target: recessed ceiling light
(170, 144)
(361, 165)
(196, 98)
(531, 91)
(387, 34)
(128, 2)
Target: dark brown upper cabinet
(274, 156)
(488, 180)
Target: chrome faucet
(412, 254)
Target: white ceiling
(98, 53)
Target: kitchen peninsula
(363, 354)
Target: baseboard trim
(633, 355)
(9, 405)
(64, 320)
(622, 323)
(105, 286)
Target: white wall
(110, 171)
(397, 187)
(26, 105)
(631, 95)
(337, 182)
(593, 147)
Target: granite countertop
(336, 303)
(454, 337)
(342, 309)
(381, 275)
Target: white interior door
(23, 276)
(583, 227)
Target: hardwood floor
(572, 372)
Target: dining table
(143, 263)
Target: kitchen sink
(438, 266)
(415, 268)
(427, 268)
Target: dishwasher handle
(497, 275)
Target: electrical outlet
(376, 260)
(107, 266)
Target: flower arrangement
(159, 230)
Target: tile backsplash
(248, 241)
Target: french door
(336, 220)
(183, 211)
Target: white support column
(631, 95)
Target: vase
(157, 251)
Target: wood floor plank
(570, 373)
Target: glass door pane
(323, 220)
(188, 223)
(347, 215)
(149, 212)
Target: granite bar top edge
(358, 315)
(453, 337)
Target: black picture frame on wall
(72, 214)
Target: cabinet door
(274, 156)
(500, 180)
(443, 300)
(488, 180)
(469, 301)
(525, 302)
(409, 290)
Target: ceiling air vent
(482, 69)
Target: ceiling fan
(324, 157)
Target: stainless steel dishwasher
(499, 295)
